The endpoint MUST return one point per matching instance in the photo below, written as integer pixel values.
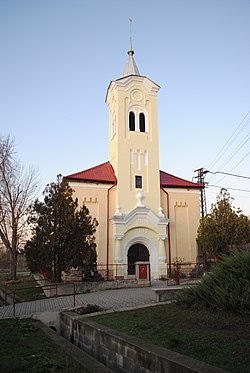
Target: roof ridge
(103, 172)
(184, 182)
(98, 165)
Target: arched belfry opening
(142, 122)
(131, 121)
(137, 253)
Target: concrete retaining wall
(167, 294)
(126, 354)
(51, 290)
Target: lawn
(26, 288)
(218, 338)
(25, 348)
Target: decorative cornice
(140, 212)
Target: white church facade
(144, 214)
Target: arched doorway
(137, 253)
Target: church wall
(112, 209)
(182, 206)
(94, 196)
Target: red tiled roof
(172, 181)
(102, 173)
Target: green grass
(5, 275)
(25, 348)
(26, 288)
(218, 338)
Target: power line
(227, 173)
(230, 140)
(233, 168)
(236, 150)
(239, 190)
(239, 162)
(235, 195)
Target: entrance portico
(140, 236)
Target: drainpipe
(107, 232)
(169, 244)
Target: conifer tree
(62, 233)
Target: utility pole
(200, 179)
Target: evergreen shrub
(226, 287)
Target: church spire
(130, 29)
(130, 67)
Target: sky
(57, 58)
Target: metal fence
(49, 291)
(102, 277)
(117, 271)
(181, 273)
(106, 272)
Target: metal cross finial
(130, 20)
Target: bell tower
(133, 138)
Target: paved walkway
(109, 300)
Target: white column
(162, 256)
(118, 256)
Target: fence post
(5, 296)
(74, 294)
(56, 289)
(169, 269)
(14, 303)
(177, 274)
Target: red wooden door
(143, 271)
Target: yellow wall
(180, 205)
(94, 196)
(134, 153)
(184, 214)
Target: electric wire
(229, 173)
(239, 190)
(236, 150)
(233, 137)
(230, 140)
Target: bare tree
(17, 190)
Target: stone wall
(126, 354)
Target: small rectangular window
(138, 182)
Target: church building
(144, 214)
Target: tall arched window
(131, 121)
(142, 122)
